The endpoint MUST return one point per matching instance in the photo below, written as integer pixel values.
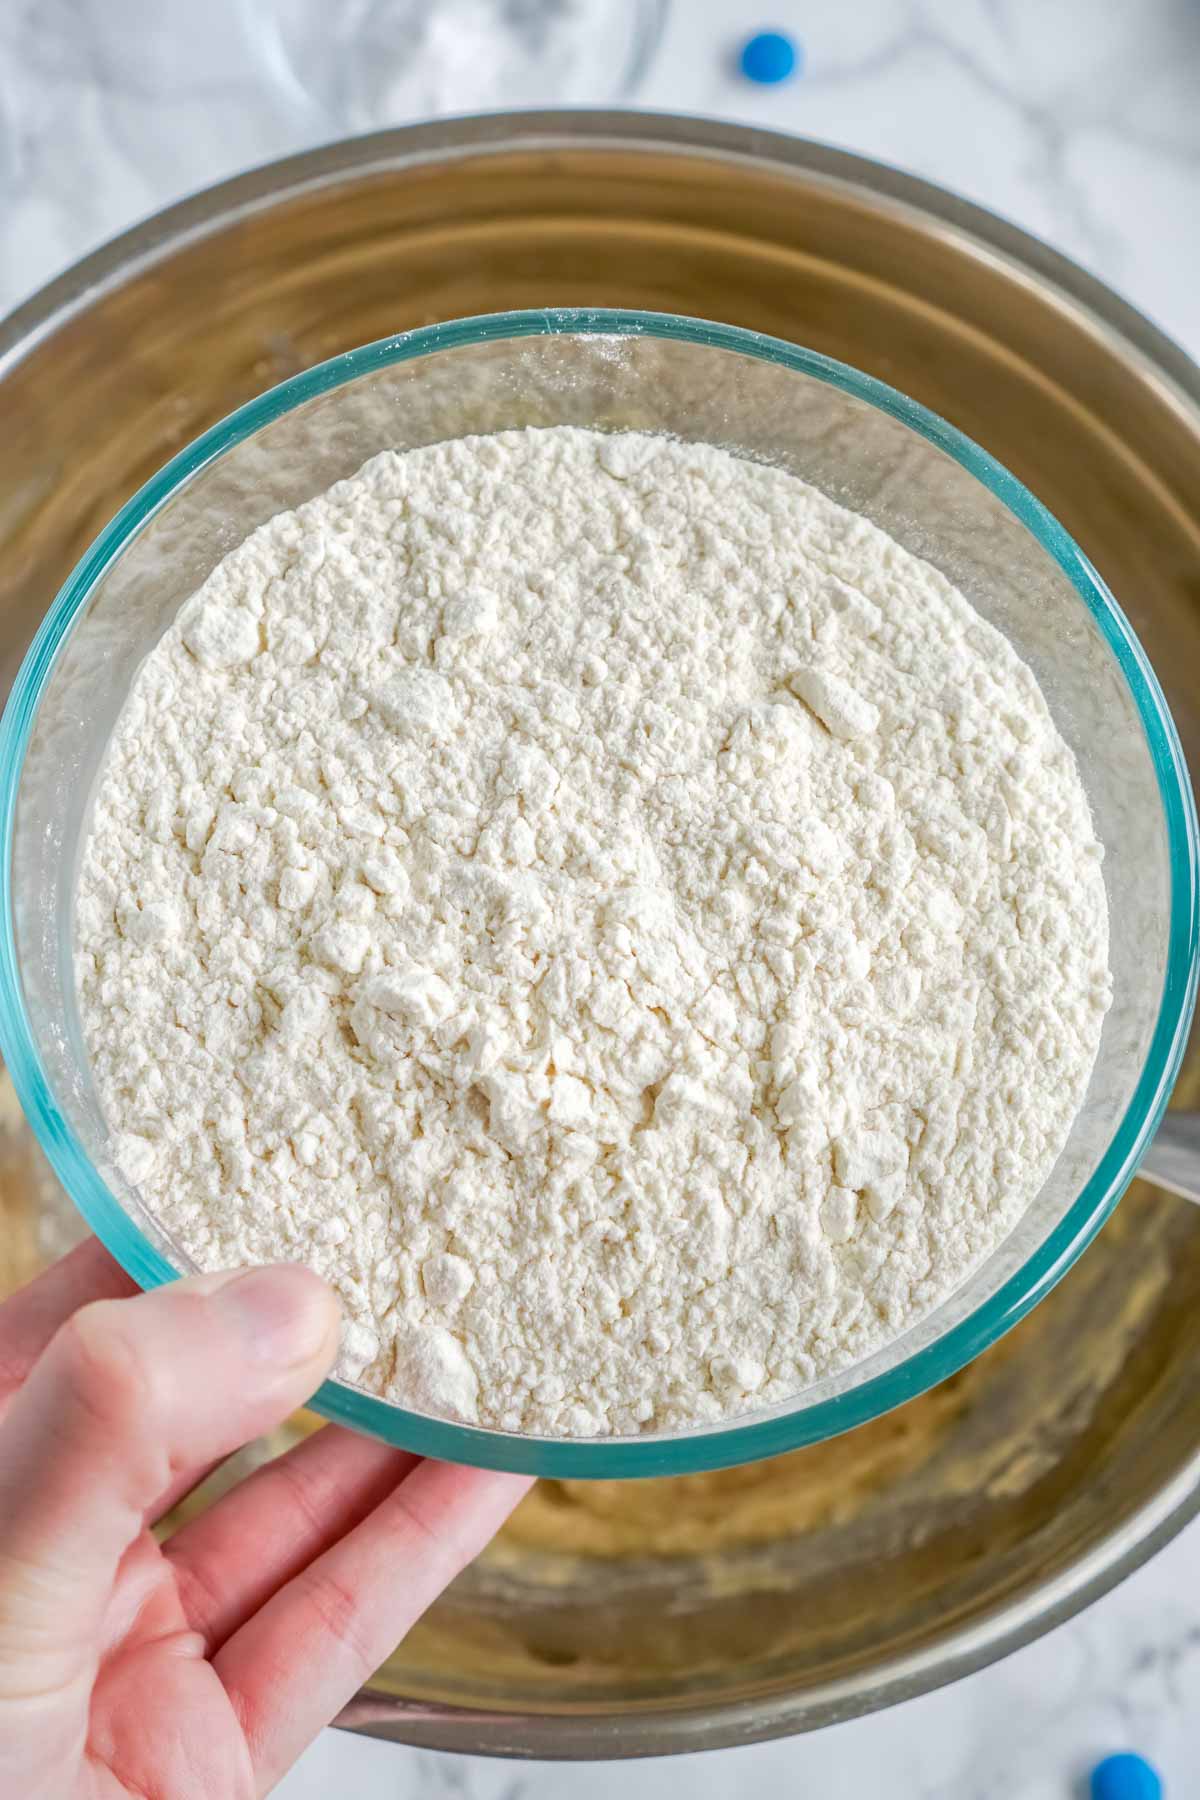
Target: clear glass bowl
(863, 444)
(362, 67)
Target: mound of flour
(627, 923)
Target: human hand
(200, 1668)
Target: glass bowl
(361, 68)
(865, 445)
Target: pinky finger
(294, 1665)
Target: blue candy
(1126, 1777)
(769, 57)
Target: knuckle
(295, 1497)
(102, 1366)
(438, 1549)
(339, 1612)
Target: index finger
(293, 1666)
(34, 1313)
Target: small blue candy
(1126, 1777)
(769, 57)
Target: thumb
(127, 1396)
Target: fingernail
(285, 1313)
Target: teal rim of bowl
(733, 1441)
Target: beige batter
(690, 1515)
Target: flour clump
(631, 926)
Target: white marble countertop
(1078, 120)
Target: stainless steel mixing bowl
(640, 1620)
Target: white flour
(627, 923)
